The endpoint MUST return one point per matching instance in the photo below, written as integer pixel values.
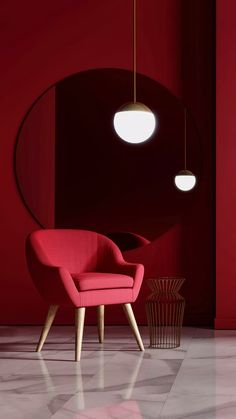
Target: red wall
(225, 165)
(43, 42)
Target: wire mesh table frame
(165, 311)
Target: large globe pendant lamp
(185, 180)
(134, 122)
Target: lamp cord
(185, 139)
(134, 49)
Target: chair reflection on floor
(51, 387)
(82, 402)
(126, 409)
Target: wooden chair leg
(47, 325)
(79, 328)
(100, 312)
(131, 319)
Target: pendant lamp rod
(185, 180)
(185, 139)
(134, 122)
(134, 49)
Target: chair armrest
(56, 285)
(127, 268)
(135, 270)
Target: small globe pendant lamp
(185, 180)
(134, 122)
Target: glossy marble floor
(115, 380)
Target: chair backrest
(75, 250)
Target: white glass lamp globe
(185, 180)
(134, 122)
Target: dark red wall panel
(225, 166)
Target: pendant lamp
(134, 122)
(185, 180)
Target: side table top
(165, 283)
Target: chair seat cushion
(97, 280)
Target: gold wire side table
(165, 311)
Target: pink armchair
(82, 268)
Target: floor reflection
(196, 380)
(127, 409)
